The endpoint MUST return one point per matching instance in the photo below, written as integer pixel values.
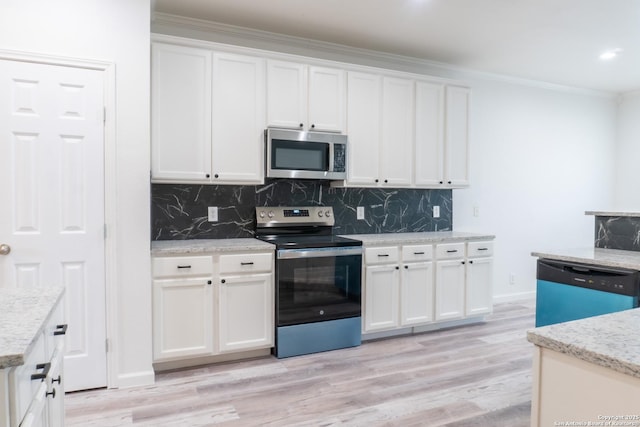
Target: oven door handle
(318, 252)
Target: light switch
(436, 211)
(360, 212)
(213, 214)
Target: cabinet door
(180, 113)
(286, 94)
(449, 290)
(364, 96)
(457, 136)
(429, 138)
(246, 312)
(381, 297)
(182, 318)
(416, 293)
(479, 286)
(396, 167)
(327, 99)
(238, 119)
(55, 385)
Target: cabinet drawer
(450, 250)
(417, 253)
(182, 266)
(246, 263)
(383, 255)
(476, 249)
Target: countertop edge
(584, 354)
(18, 359)
(608, 262)
(613, 213)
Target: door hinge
(105, 231)
(104, 114)
(106, 345)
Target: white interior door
(52, 199)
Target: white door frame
(110, 202)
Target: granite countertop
(198, 246)
(612, 213)
(23, 315)
(611, 340)
(423, 237)
(595, 256)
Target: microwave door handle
(331, 156)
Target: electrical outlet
(512, 279)
(476, 210)
(360, 212)
(213, 213)
(436, 211)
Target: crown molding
(163, 23)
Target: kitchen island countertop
(611, 340)
(595, 256)
(23, 314)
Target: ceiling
(555, 41)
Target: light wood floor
(477, 375)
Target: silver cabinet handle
(5, 249)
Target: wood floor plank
(475, 375)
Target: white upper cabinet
(211, 103)
(457, 136)
(364, 99)
(305, 97)
(208, 116)
(380, 130)
(429, 137)
(397, 132)
(180, 113)
(238, 119)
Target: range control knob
(327, 213)
(262, 214)
(320, 214)
(270, 214)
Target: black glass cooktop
(315, 241)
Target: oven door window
(296, 155)
(318, 289)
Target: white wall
(115, 31)
(627, 190)
(539, 159)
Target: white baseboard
(520, 296)
(136, 379)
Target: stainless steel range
(318, 280)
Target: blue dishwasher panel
(557, 302)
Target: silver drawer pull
(184, 266)
(247, 263)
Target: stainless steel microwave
(305, 155)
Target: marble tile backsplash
(617, 232)
(179, 211)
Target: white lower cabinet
(416, 293)
(246, 312)
(419, 284)
(449, 289)
(479, 280)
(212, 304)
(382, 284)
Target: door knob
(5, 249)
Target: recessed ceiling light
(610, 54)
